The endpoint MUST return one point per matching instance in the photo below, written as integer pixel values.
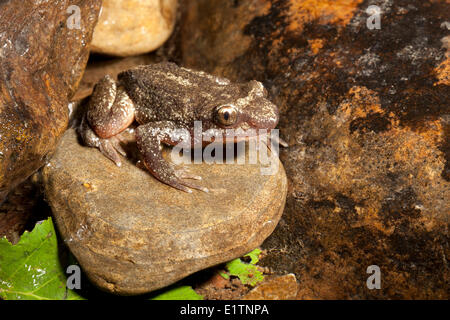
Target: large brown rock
(41, 63)
(133, 234)
(366, 113)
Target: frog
(161, 98)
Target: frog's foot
(177, 180)
(179, 173)
(184, 173)
(184, 185)
(149, 138)
(110, 147)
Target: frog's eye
(227, 115)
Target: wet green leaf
(247, 273)
(31, 270)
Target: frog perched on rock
(163, 98)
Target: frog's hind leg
(110, 111)
(108, 147)
(149, 138)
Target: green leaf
(30, 270)
(254, 256)
(179, 293)
(247, 273)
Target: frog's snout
(266, 121)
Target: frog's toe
(185, 174)
(178, 185)
(107, 148)
(192, 185)
(186, 186)
(115, 141)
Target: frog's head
(253, 111)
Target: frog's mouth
(262, 136)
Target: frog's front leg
(149, 138)
(110, 111)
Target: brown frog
(162, 98)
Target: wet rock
(132, 234)
(41, 62)
(366, 114)
(277, 288)
(131, 27)
(21, 206)
(98, 67)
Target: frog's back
(164, 91)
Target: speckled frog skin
(162, 98)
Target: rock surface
(132, 234)
(41, 63)
(97, 69)
(278, 288)
(21, 206)
(131, 27)
(366, 113)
